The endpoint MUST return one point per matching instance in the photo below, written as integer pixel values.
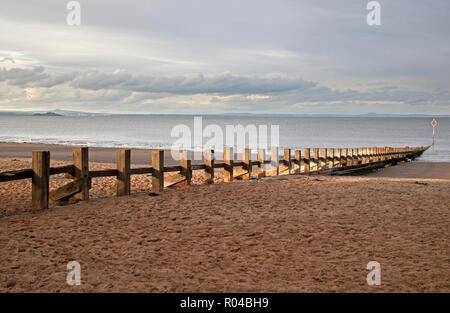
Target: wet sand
(415, 170)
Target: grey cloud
(35, 77)
(193, 84)
(280, 90)
(187, 84)
(325, 49)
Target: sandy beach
(284, 234)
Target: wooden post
(372, 154)
(316, 158)
(323, 158)
(355, 156)
(228, 157)
(158, 170)
(331, 158)
(123, 159)
(40, 180)
(366, 155)
(274, 161)
(261, 165)
(298, 161)
(81, 165)
(307, 160)
(344, 157)
(349, 157)
(338, 161)
(360, 156)
(247, 164)
(186, 166)
(209, 166)
(287, 159)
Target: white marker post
(434, 124)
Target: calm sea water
(295, 132)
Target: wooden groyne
(339, 161)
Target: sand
(286, 234)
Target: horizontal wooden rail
(103, 173)
(141, 170)
(61, 169)
(16, 175)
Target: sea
(159, 131)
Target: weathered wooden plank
(275, 162)
(261, 163)
(365, 154)
(298, 161)
(140, 170)
(81, 171)
(123, 158)
(323, 159)
(344, 157)
(100, 173)
(61, 169)
(16, 175)
(195, 167)
(283, 169)
(174, 179)
(185, 163)
(40, 180)
(338, 158)
(228, 157)
(330, 158)
(316, 158)
(239, 172)
(287, 160)
(219, 165)
(209, 166)
(65, 191)
(359, 156)
(349, 157)
(247, 164)
(158, 170)
(307, 160)
(174, 168)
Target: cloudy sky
(216, 56)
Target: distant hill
(47, 114)
(58, 112)
(50, 113)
